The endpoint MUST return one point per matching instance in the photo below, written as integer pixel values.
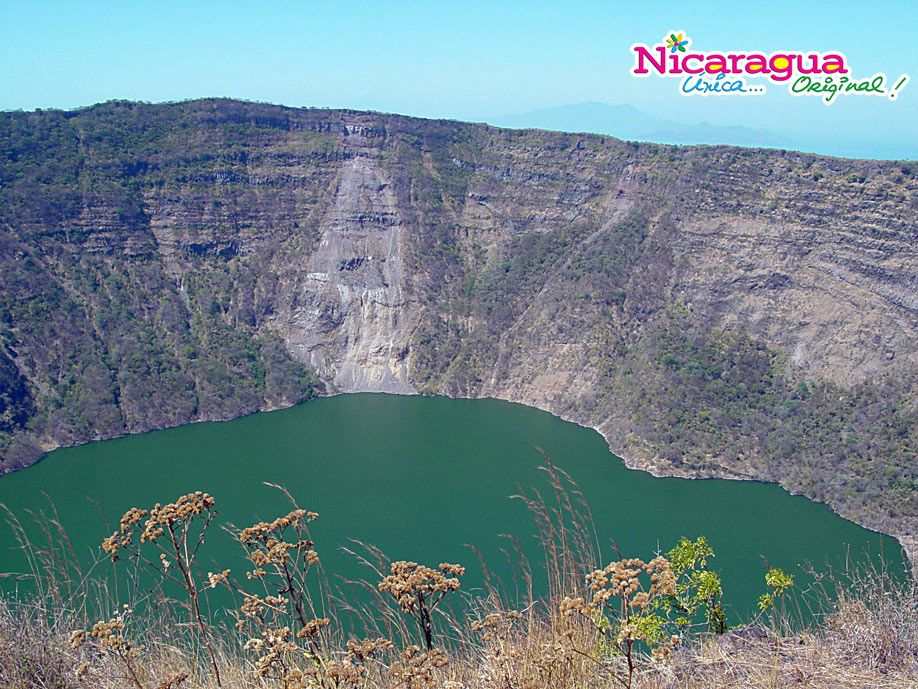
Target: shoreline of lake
(648, 463)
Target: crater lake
(423, 478)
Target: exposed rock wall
(353, 320)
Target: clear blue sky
(469, 60)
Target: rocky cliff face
(352, 320)
(712, 310)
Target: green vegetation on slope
(721, 398)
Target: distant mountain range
(630, 123)
(627, 122)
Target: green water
(420, 478)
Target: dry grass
(519, 651)
(867, 635)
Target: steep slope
(711, 310)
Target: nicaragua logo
(749, 73)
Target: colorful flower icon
(675, 43)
